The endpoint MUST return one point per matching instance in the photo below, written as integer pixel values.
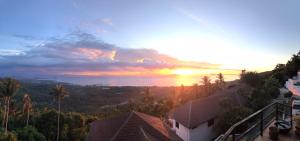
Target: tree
(271, 87)
(230, 117)
(27, 106)
(9, 136)
(59, 92)
(46, 124)
(220, 80)
(8, 87)
(259, 99)
(279, 73)
(196, 90)
(206, 85)
(251, 78)
(30, 133)
(293, 65)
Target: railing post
(233, 135)
(276, 118)
(261, 123)
(291, 112)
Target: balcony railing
(254, 125)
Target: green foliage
(279, 73)
(230, 117)
(271, 87)
(9, 87)
(284, 71)
(30, 133)
(11, 136)
(251, 78)
(206, 85)
(46, 123)
(259, 99)
(59, 92)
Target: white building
(292, 86)
(194, 121)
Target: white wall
(182, 131)
(201, 133)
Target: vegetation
(42, 122)
(231, 117)
(251, 78)
(264, 88)
(8, 88)
(284, 71)
(59, 94)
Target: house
(194, 120)
(133, 126)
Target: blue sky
(226, 34)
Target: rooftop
(133, 126)
(196, 112)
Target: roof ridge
(118, 131)
(189, 114)
(151, 125)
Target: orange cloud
(94, 54)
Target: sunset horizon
(88, 43)
(149, 70)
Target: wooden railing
(252, 126)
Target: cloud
(80, 53)
(26, 37)
(107, 21)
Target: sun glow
(184, 71)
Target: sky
(144, 42)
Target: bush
(271, 87)
(30, 133)
(232, 116)
(46, 123)
(259, 99)
(251, 78)
(11, 136)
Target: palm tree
(27, 106)
(59, 92)
(8, 87)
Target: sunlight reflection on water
(144, 81)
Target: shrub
(11, 136)
(30, 133)
(232, 116)
(251, 78)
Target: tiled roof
(133, 126)
(196, 112)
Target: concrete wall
(182, 131)
(200, 133)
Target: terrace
(256, 126)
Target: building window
(210, 122)
(177, 124)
